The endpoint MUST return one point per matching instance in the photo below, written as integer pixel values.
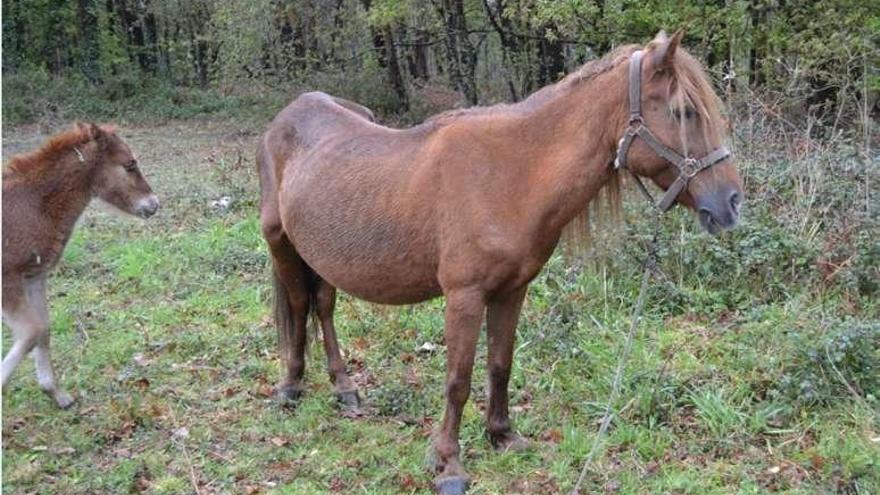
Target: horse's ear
(665, 48)
(98, 134)
(84, 128)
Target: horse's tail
(284, 317)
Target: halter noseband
(687, 167)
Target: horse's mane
(689, 85)
(586, 72)
(48, 154)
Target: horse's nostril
(706, 215)
(735, 201)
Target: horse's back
(345, 194)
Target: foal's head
(680, 107)
(117, 180)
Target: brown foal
(469, 205)
(44, 193)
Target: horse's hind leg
(345, 389)
(292, 301)
(28, 317)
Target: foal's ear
(664, 49)
(98, 134)
(85, 128)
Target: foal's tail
(284, 317)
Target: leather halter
(687, 166)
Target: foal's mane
(46, 156)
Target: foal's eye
(131, 166)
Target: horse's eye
(689, 113)
(131, 166)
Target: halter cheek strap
(79, 155)
(687, 167)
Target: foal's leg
(345, 389)
(21, 318)
(464, 313)
(502, 316)
(28, 317)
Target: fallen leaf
(774, 470)
(407, 483)
(612, 486)
(553, 435)
(336, 484)
(278, 441)
(427, 348)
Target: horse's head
(679, 108)
(117, 178)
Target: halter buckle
(689, 167)
(636, 119)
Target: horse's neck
(575, 132)
(64, 192)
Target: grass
(162, 331)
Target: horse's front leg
(464, 313)
(502, 316)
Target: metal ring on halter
(689, 167)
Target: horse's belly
(379, 283)
(380, 277)
(373, 254)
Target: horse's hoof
(451, 485)
(510, 442)
(63, 399)
(288, 395)
(349, 399)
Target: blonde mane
(689, 86)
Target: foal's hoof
(452, 485)
(349, 399)
(63, 399)
(288, 395)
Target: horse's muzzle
(720, 211)
(147, 206)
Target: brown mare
(469, 205)
(44, 193)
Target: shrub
(825, 368)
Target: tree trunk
(392, 67)
(551, 57)
(89, 44)
(460, 52)
(417, 56)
